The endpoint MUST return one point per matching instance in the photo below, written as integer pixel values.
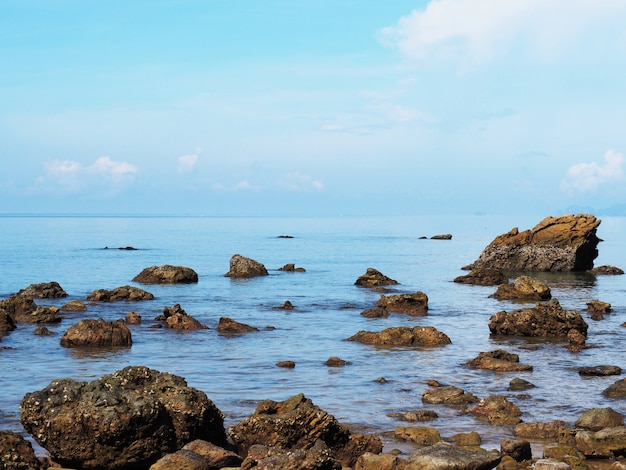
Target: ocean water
(238, 371)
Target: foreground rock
(596, 419)
(242, 267)
(447, 395)
(120, 293)
(497, 410)
(272, 425)
(483, 277)
(374, 278)
(448, 456)
(565, 243)
(411, 304)
(177, 319)
(97, 333)
(125, 420)
(607, 443)
(523, 288)
(544, 320)
(167, 274)
(16, 453)
(44, 290)
(23, 309)
(6, 323)
(498, 360)
(403, 336)
(229, 326)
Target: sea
(236, 372)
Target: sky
(312, 107)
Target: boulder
(607, 270)
(425, 336)
(41, 315)
(442, 236)
(412, 304)
(132, 318)
(499, 360)
(97, 333)
(286, 364)
(447, 395)
(374, 278)
(597, 306)
(166, 274)
(318, 457)
(523, 288)
(564, 243)
(75, 305)
(497, 410)
(599, 371)
(297, 423)
(242, 267)
(420, 435)
(177, 319)
(606, 443)
(291, 268)
(214, 455)
(483, 277)
(120, 293)
(44, 290)
(616, 390)
(128, 419)
(17, 306)
(417, 416)
(539, 430)
(449, 456)
(334, 361)
(558, 455)
(600, 418)
(375, 312)
(519, 449)
(6, 322)
(547, 319)
(471, 438)
(227, 325)
(16, 453)
(182, 459)
(370, 461)
(519, 385)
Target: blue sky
(282, 107)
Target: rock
(447, 395)
(215, 456)
(285, 236)
(411, 304)
(272, 425)
(599, 371)
(318, 457)
(181, 460)
(523, 288)
(370, 461)
(600, 418)
(517, 385)
(422, 436)
(466, 439)
(606, 270)
(16, 453)
(549, 430)
(565, 243)
(335, 361)
(416, 416)
(606, 443)
(132, 318)
(374, 278)
(566, 454)
(42, 331)
(544, 320)
(6, 322)
(616, 390)
(550, 464)
(497, 410)
(229, 326)
(443, 236)
(17, 306)
(286, 364)
(519, 449)
(285, 306)
(177, 319)
(597, 306)
(97, 333)
(483, 277)
(128, 419)
(40, 315)
(448, 456)
(45, 290)
(75, 305)
(120, 293)
(242, 267)
(426, 336)
(375, 312)
(291, 268)
(167, 274)
(498, 360)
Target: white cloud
(297, 181)
(475, 31)
(74, 176)
(243, 185)
(586, 177)
(186, 163)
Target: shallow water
(238, 371)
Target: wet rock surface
(16, 453)
(374, 278)
(403, 336)
(523, 288)
(167, 274)
(229, 326)
(176, 318)
(411, 304)
(498, 360)
(120, 293)
(483, 277)
(44, 290)
(97, 333)
(242, 267)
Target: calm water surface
(238, 371)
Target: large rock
(6, 322)
(606, 443)
(523, 288)
(445, 456)
(44, 290)
(448, 395)
(97, 333)
(544, 320)
(374, 278)
(16, 453)
(411, 304)
(227, 325)
(565, 243)
(483, 277)
(125, 420)
(242, 267)
(297, 423)
(403, 336)
(22, 309)
(120, 293)
(498, 360)
(167, 274)
(596, 419)
(176, 318)
(497, 410)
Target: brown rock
(425, 336)
(6, 322)
(181, 460)
(40, 315)
(229, 326)
(448, 456)
(483, 277)
(370, 461)
(75, 305)
(523, 288)
(376, 312)
(422, 436)
(132, 318)
(497, 410)
(565, 243)
(607, 270)
(466, 439)
(291, 268)
(45, 290)
(549, 430)
(600, 418)
(120, 293)
(599, 371)
(499, 360)
(606, 443)
(167, 274)
(177, 319)
(517, 385)
(92, 333)
(519, 449)
(416, 416)
(17, 306)
(215, 456)
(318, 457)
(411, 304)
(442, 236)
(16, 453)
(374, 278)
(448, 395)
(597, 306)
(286, 364)
(242, 267)
(335, 361)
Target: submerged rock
(499, 360)
(497, 410)
(374, 278)
(291, 268)
(607, 271)
(483, 277)
(411, 304)
(447, 395)
(565, 243)
(229, 326)
(120, 293)
(523, 288)
(128, 419)
(167, 274)
(75, 305)
(403, 336)
(242, 267)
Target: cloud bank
(186, 163)
(74, 176)
(587, 177)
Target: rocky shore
(142, 418)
